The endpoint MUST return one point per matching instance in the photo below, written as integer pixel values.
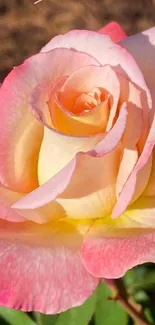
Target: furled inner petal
(57, 150)
(84, 80)
(91, 191)
(93, 121)
(132, 134)
(132, 94)
(99, 145)
(138, 178)
(84, 102)
(129, 159)
(142, 179)
(114, 136)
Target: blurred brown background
(25, 27)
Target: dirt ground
(25, 27)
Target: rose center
(88, 101)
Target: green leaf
(47, 319)
(75, 316)
(109, 312)
(148, 315)
(139, 278)
(15, 317)
(141, 297)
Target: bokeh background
(25, 27)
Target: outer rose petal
(17, 128)
(138, 179)
(142, 47)
(113, 137)
(114, 30)
(111, 256)
(150, 189)
(132, 95)
(130, 139)
(41, 269)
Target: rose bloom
(77, 167)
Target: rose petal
(102, 48)
(90, 123)
(91, 191)
(112, 54)
(129, 159)
(112, 255)
(17, 128)
(58, 150)
(85, 80)
(113, 137)
(46, 213)
(137, 181)
(150, 188)
(130, 139)
(40, 268)
(86, 144)
(7, 198)
(55, 76)
(39, 205)
(136, 109)
(49, 191)
(142, 211)
(142, 47)
(114, 30)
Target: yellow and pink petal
(107, 254)
(41, 268)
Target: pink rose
(77, 167)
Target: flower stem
(131, 307)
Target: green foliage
(15, 317)
(109, 312)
